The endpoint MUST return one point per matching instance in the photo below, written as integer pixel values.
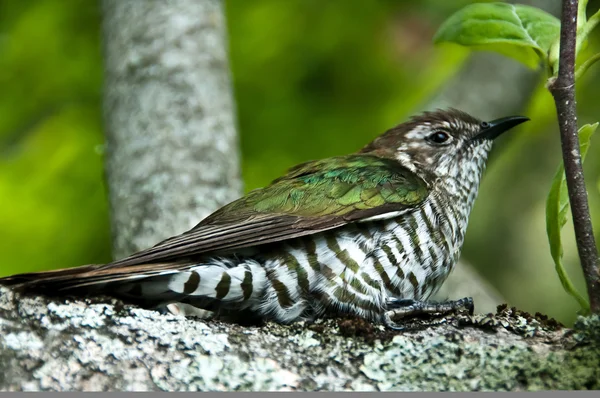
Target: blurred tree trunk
(488, 86)
(172, 147)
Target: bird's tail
(98, 279)
(207, 285)
(39, 280)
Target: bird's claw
(402, 308)
(388, 323)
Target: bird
(372, 234)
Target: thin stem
(568, 286)
(581, 13)
(563, 91)
(591, 23)
(587, 28)
(586, 65)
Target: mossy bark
(104, 345)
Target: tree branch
(103, 345)
(563, 91)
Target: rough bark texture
(172, 147)
(97, 345)
(488, 86)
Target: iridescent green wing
(330, 191)
(312, 197)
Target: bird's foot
(403, 308)
(187, 310)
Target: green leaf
(557, 206)
(521, 32)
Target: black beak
(491, 130)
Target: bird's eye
(439, 137)
(484, 125)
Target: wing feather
(311, 198)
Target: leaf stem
(585, 28)
(581, 14)
(591, 23)
(569, 288)
(586, 65)
(563, 91)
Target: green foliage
(53, 210)
(557, 206)
(311, 83)
(524, 33)
(518, 31)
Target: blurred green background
(312, 79)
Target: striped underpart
(222, 279)
(351, 269)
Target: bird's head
(443, 142)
